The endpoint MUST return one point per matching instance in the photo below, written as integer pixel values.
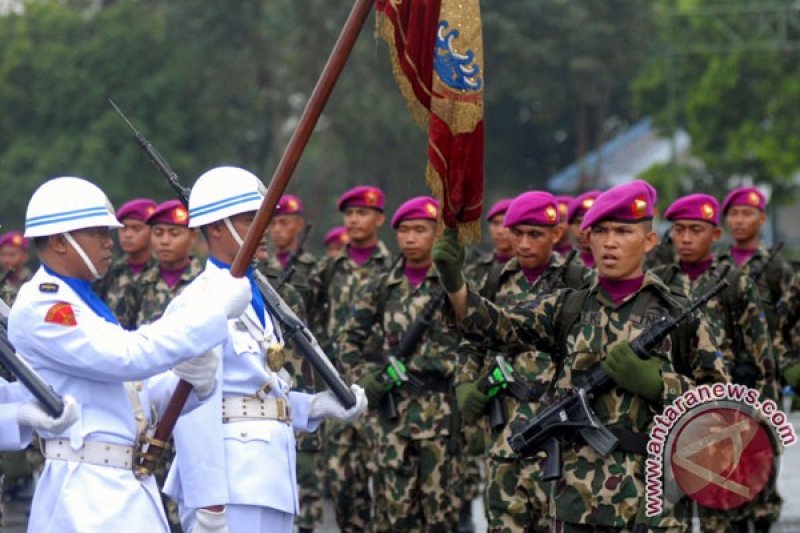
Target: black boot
(465, 519)
(763, 525)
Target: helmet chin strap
(234, 233)
(83, 255)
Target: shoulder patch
(49, 288)
(61, 313)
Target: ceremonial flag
(437, 59)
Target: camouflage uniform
(310, 470)
(13, 283)
(419, 453)
(741, 332)
(111, 288)
(602, 492)
(338, 283)
(142, 303)
(300, 278)
(145, 301)
(516, 497)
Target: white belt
(238, 408)
(92, 452)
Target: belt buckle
(283, 411)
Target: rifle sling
(432, 383)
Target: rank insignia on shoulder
(61, 313)
(48, 288)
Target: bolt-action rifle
(573, 413)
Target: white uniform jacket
(79, 353)
(12, 435)
(248, 462)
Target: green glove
(471, 402)
(373, 389)
(448, 254)
(792, 376)
(636, 375)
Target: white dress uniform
(90, 360)
(245, 462)
(12, 435)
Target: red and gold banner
(437, 58)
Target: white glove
(32, 415)
(232, 294)
(326, 405)
(210, 522)
(200, 372)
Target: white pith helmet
(223, 192)
(65, 204)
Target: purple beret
(499, 208)
(13, 238)
(137, 209)
(563, 202)
(749, 196)
(581, 204)
(337, 234)
(419, 208)
(631, 202)
(702, 207)
(290, 204)
(537, 208)
(170, 212)
(362, 196)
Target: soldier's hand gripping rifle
(573, 413)
(395, 375)
(44, 393)
(502, 379)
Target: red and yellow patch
(587, 203)
(563, 208)
(149, 210)
(431, 210)
(371, 197)
(344, 238)
(292, 205)
(707, 211)
(753, 199)
(17, 240)
(180, 215)
(62, 314)
(550, 213)
(639, 207)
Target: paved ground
(788, 483)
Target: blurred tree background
(213, 83)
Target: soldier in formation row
(564, 289)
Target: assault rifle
(573, 413)
(44, 393)
(288, 270)
(292, 327)
(395, 375)
(500, 380)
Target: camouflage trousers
(160, 474)
(349, 464)
(310, 471)
(517, 500)
(421, 484)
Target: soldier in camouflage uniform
(339, 283)
(480, 264)
(516, 497)
(134, 240)
(597, 493)
(13, 256)
(172, 240)
(575, 213)
(418, 453)
(285, 230)
(564, 245)
(335, 241)
(737, 322)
